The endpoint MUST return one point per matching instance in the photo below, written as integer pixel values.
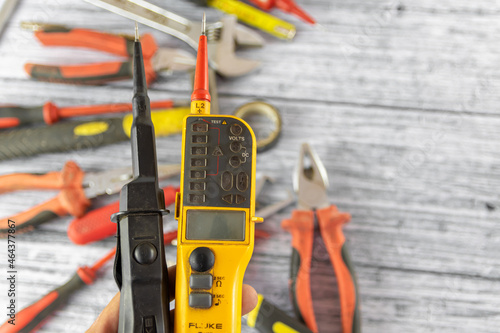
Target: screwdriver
(31, 317)
(49, 113)
(288, 6)
(254, 17)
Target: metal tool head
(111, 181)
(222, 36)
(310, 180)
(223, 55)
(173, 60)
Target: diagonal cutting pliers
(155, 59)
(318, 246)
(76, 189)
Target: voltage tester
(215, 209)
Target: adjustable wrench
(223, 36)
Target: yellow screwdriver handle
(255, 17)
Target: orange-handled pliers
(76, 189)
(318, 245)
(155, 59)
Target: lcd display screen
(225, 225)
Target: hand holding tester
(215, 209)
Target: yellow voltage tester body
(215, 209)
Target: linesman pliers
(318, 245)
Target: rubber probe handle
(89, 74)
(97, 225)
(71, 199)
(32, 316)
(267, 318)
(301, 226)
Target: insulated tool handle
(264, 4)
(89, 74)
(91, 39)
(96, 225)
(91, 110)
(32, 316)
(267, 318)
(255, 17)
(301, 226)
(330, 222)
(71, 199)
(12, 116)
(61, 137)
(24, 181)
(49, 113)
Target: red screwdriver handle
(330, 222)
(96, 225)
(101, 41)
(32, 316)
(88, 74)
(301, 226)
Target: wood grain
(398, 98)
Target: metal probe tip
(136, 32)
(204, 25)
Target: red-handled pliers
(155, 59)
(318, 245)
(76, 189)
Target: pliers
(318, 245)
(155, 59)
(76, 189)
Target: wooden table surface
(399, 99)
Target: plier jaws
(310, 180)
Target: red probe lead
(200, 99)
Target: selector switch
(202, 259)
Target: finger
(107, 322)
(249, 299)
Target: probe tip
(136, 32)
(204, 25)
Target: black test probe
(140, 267)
